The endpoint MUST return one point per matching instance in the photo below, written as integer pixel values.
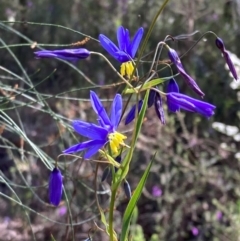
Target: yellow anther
(127, 69)
(122, 69)
(116, 141)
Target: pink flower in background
(195, 231)
(156, 191)
(62, 210)
(219, 215)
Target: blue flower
(190, 104)
(103, 133)
(66, 54)
(220, 45)
(126, 50)
(55, 186)
(190, 81)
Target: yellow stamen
(127, 69)
(116, 141)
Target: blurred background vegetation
(193, 191)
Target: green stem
(112, 201)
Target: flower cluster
(104, 135)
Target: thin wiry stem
(109, 63)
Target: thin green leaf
(133, 202)
(149, 84)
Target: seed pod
(118, 159)
(127, 189)
(105, 174)
(159, 108)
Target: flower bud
(55, 186)
(159, 108)
(127, 189)
(105, 174)
(119, 160)
(66, 54)
(151, 97)
(219, 43)
(190, 81)
(131, 114)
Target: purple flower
(190, 81)
(66, 54)
(159, 107)
(220, 45)
(156, 191)
(172, 87)
(126, 49)
(219, 215)
(195, 231)
(190, 104)
(131, 114)
(62, 211)
(55, 187)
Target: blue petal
(136, 41)
(94, 149)
(121, 33)
(172, 107)
(100, 110)
(84, 145)
(122, 57)
(108, 45)
(116, 111)
(172, 87)
(128, 42)
(90, 130)
(180, 102)
(199, 103)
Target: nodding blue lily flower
(221, 46)
(190, 104)
(172, 87)
(126, 50)
(66, 54)
(103, 133)
(55, 186)
(190, 81)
